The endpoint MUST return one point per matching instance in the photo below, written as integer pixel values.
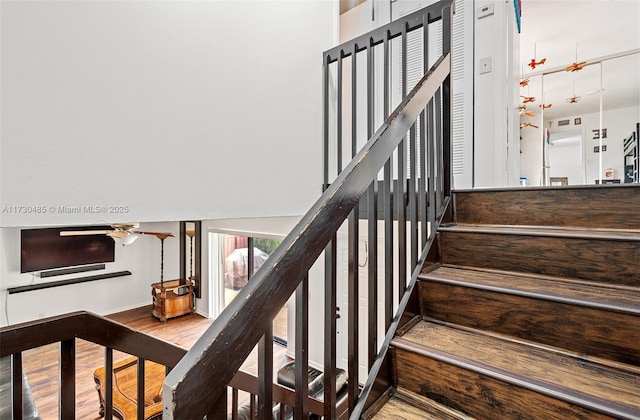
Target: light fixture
(125, 240)
(162, 236)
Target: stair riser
(594, 260)
(480, 395)
(604, 207)
(596, 332)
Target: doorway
(229, 263)
(565, 157)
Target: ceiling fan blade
(161, 235)
(84, 232)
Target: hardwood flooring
(41, 364)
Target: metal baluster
(265, 374)
(402, 168)
(16, 384)
(325, 126)
(68, 379)
(339, 114)
(141, 379)
(439, 146)
(388, 201)
(108, 385)
(422, 182)
(234, 404)
(330, 329)
(353, 330)
(301, 409)
(431, 210)
(413, 204)
(372, 202)
(426, 157)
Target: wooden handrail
(90, 327)
(226, 344)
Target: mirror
(590, 86)
(600, 96)
(190, 253)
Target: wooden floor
(41, 365)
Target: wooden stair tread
(556, 231)
(570, 378)
(405, 405)
(621, 299)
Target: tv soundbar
(72, 270)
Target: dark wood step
(597, 320)
(632, 235)
(606, 206)
(609, 256)
(489, 377)
(406, 405)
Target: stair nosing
(543, 231)
(544, 277)
(545, 388)
(528, 294)
(611, 364)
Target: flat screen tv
(44, 249)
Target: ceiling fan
(122, 233)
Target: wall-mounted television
(44, 249)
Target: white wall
(496, 139)
(177, 110)
(619, 123)
(103, 297)
(158, 111)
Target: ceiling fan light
(125, 240)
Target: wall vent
(563, 123)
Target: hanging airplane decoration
(535, 63)
(523, 111)
(573, 99)
(545, 106)
(576, 66)
(524, 82)
(528, 99)
(528, 124)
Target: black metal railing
(65, 330)
(401, 175)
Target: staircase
(531, 310)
